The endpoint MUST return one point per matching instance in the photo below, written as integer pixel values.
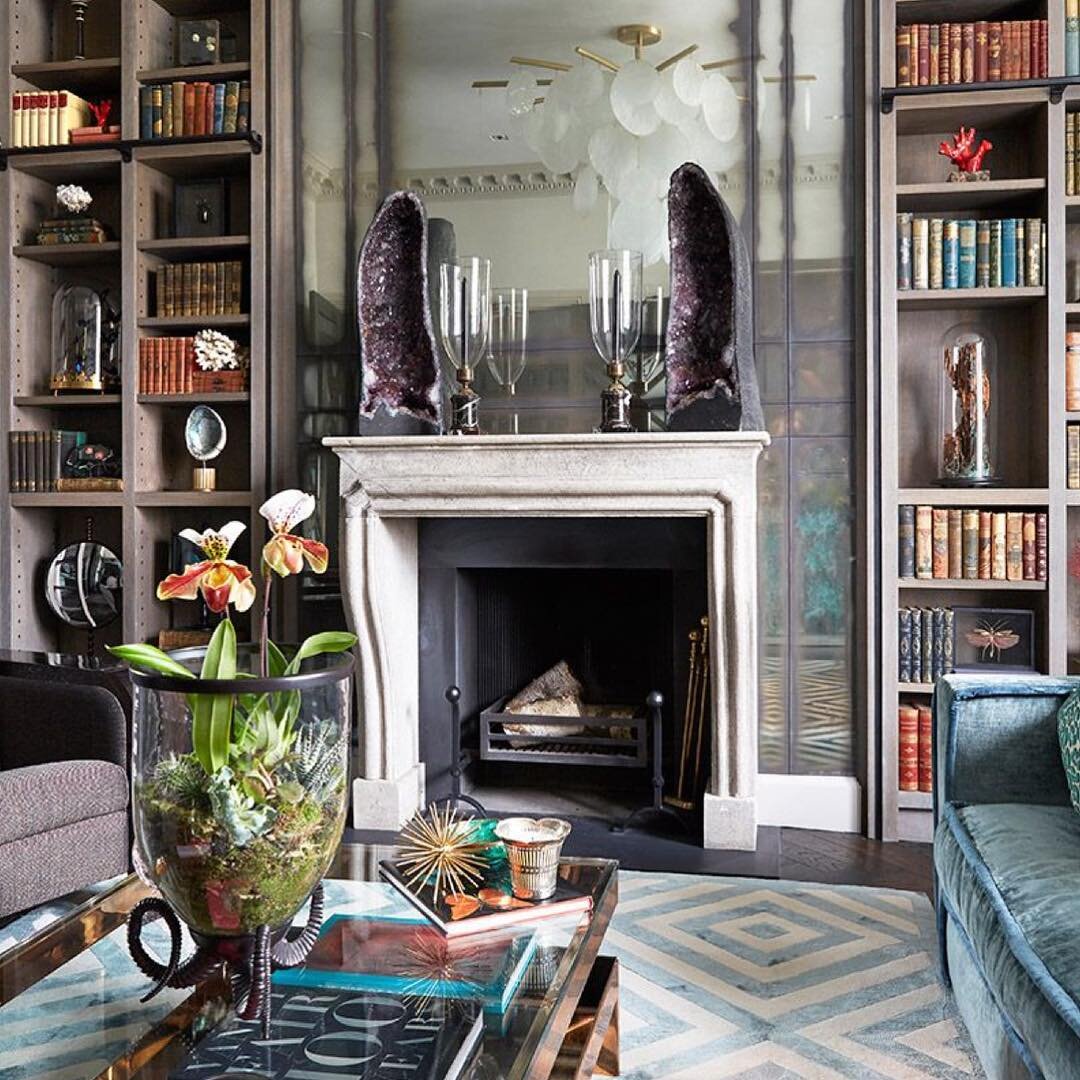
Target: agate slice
(709, 355)
(399, 357)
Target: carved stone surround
(388, 484)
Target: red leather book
(1025, 49)
(967, 52)
(982, 57)
(993, 52)
(943, 56)
(1029, 547)
(926, 749)
(924, 54)
(935, 53)
(1040, 546)
(200, 109)
(189, 108)
(208, 110)
(908, 745)
(1044, 49)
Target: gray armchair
(63, 790)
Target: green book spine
(967, 254)
(982, 254)
(1033, 249)
(995, 254)
(935, 253)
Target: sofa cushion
(1009, 874)
(1068, 720)
(38, 798)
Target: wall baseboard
(833, 803)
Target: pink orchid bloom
(220, 580)
(285, 552)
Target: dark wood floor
(844, 859)
(792, 854)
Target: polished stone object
(709, 356)
(401, 390)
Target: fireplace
(614, 497)
(503, 600)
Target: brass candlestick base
(203, 478)
(465, 405)
(615, 403)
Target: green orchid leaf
(277, 663)
(212, 713)
(150, 658)
(332, 641)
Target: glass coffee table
(70, 995)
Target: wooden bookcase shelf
(1026, 123)
(133, 186)
(69, 254)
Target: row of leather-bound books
(966, 543)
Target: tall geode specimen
(401, 392)
(709, 355)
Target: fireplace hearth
(611, 510)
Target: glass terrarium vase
(968, 408)
(76, 339)
(242, 847)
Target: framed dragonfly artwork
(993, 639)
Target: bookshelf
(1026, 123)
(129, 44)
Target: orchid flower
(220, 580)
(284, 552)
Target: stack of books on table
(71, 230)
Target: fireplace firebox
(503, 600)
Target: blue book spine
(916, 645)
(927, 645)
(219, 107)
(907, 541)
(1008, 253)
(995, 254)
(939, 643)
(904, 673)
(146, 113)
(950, 256)
(1072, 45)
(967, 255)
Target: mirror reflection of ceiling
(437, 48)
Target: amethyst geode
(399, 357)
(709, 355)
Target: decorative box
(198, 41)
(218, 382)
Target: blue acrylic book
(411, 957)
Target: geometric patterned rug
(719, 977)
(732, 977)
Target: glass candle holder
(615, 320)
(968, 409)
(464, 320)
(508, 339)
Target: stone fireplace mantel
(388, 484)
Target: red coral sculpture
(961, 153)
(101, 112)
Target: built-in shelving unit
(133, 184)
(1026, 123)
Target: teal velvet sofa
(1007, 869)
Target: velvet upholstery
(1007, 862)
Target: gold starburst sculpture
(441, 845)
(439, 969)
